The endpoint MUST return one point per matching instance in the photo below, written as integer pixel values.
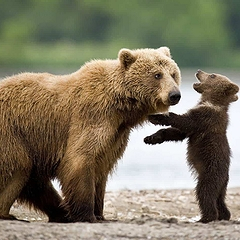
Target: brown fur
(74, 128)
(208, 149)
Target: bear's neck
(102, 83)
(214, 106)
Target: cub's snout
(200, 75)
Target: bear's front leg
(99, 198)
(158, 137)
(165, 134)
(159, 119)
(76, 175)
(185, 123)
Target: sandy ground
(146, 214)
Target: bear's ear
(165, 51)
(126, 57)
(231, 92)
(232, 89)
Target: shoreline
(143, 214)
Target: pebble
(145, 209)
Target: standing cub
(208, 149)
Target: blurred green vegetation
(66, 33)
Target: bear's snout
(201, 75)
(198, 73)
(174, 97)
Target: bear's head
(150, 77)
(216, 88)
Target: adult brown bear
(74, 128)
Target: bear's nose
(174, 97)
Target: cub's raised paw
(155, 138)
(159, 119)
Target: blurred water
(164, 166)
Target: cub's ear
(165, 51)
(232, 89)
(198, 87)
(126, 57)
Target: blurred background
(60, 35)
(66, 33)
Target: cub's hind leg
(207, 191)
(223, 212)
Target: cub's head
(151, 78)
(216, 88)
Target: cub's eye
(158, 76)
(212, 75)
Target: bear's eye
(173, 75)
(158, 76)
(212, 75)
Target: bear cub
(208, 150)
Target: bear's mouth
(198, 75)
(197, 84)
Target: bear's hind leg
(223, 212)
(206, 193)
(9, 192)
(43, 196)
